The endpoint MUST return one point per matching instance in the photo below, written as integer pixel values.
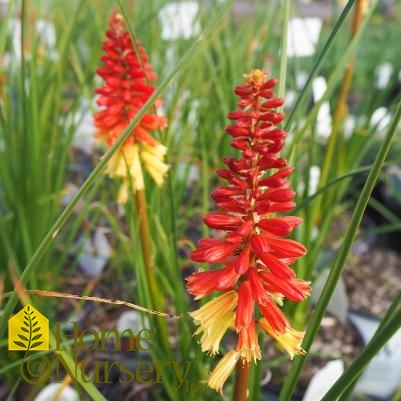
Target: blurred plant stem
(141, 207)
(155, 294)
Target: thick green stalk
(336, 270)
(156, 296)
(48, 239)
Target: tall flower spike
(254, 259)
(126, 74)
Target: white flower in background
(303, 35)
(132, 320)
(379, 120)
(290, 99)
(179, 20)
(136, 322)
(301, 79)
(96, 251)
(45, 35)
(323, 120)
(383, 75)
(323, 380)
(291, 96)
(314, 177)
(383, 375)
(57, 391)
(82, 123)
(187, 171)
(349, 126)
(4, 4)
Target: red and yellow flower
(254, 258)
(127, 75)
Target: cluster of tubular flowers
(126, 74)
(254, 274)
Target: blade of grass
(284, 44)
(337, 268)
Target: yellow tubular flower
(152, 158)
(222, 371)
(290, 340)
(248, 346)
(125, 164)
(214, 318)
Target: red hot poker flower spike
(255, 257)
(126, 89)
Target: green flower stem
(48, 239)
(336, 270)
(156, 296)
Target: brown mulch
(373, 280)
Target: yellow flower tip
(256, 76)
(125, 164)
(222, 371)
(247, 355)
(118, 17)
(121, 162)
(123, 193)
(216, 307)
(248, 345)
(214, 319)
(278, 298)
(152, 158)
(290, 339)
